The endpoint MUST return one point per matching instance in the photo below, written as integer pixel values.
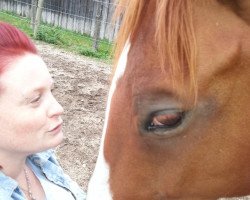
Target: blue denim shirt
(49, 166)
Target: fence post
(38, 16)
(98, 24)
(33, 13)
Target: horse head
(178, 114)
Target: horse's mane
(174, 35)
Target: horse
(178, 112)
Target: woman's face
(30, 116)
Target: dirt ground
(81, 86)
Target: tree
(98, 24)
(38, 16)
(33, 13)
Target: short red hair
(13, 43)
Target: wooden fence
(82, 16)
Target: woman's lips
(56, 129)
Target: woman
(30, 124)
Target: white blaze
(98, 188)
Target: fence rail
(83, 16)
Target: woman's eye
(36, 99)
(168, 119)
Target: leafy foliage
(90, 52)
(49, 34)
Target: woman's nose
(55, 108)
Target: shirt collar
(8, 185)
(41, 158)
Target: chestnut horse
(178, 115)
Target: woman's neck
(12, 164)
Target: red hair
(13, 43)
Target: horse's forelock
(174, 36)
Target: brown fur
(207, 156)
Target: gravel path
(81, 86)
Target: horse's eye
(167, 119)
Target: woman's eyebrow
(37, 89)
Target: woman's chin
(55, 140)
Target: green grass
(21, 23)
(71, 41)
